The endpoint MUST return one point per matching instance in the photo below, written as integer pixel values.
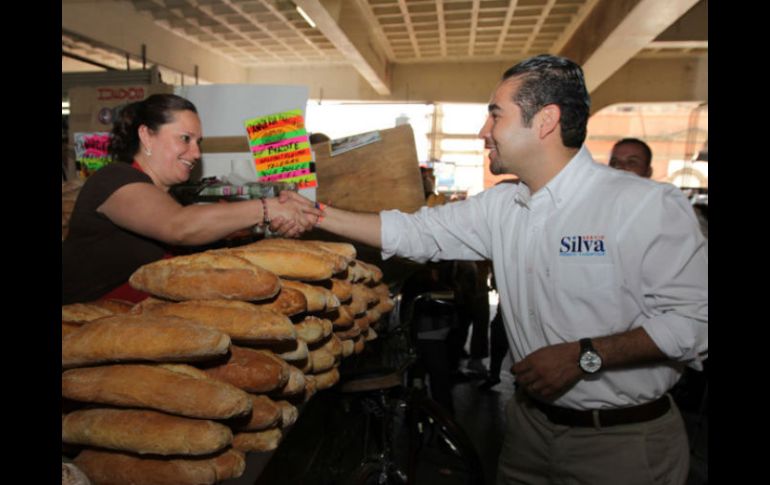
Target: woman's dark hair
(155, 111)
(555, 80)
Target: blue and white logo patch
(589, 245)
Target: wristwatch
(589, 361)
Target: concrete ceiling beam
(351, 32)
(616, 30)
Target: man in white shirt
(603, 287)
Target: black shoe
(488, 384)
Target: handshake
(291, 214)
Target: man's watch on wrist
(589, 361)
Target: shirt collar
(572, 177)
(563, 185)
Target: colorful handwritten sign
(281, 149)
(91, 151)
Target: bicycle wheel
(439, 449)
(377, 474)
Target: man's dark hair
(645, 148)
(548, 79)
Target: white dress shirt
(595, 252)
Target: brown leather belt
(604, 417)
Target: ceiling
(374, 36)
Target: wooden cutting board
(379, 176)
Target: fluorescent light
(305, 16)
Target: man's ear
(648, 172)
(548, 119)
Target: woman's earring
(147, 151)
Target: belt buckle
(596, 420)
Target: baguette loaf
(363, 322)
(358, 344)
(313, 329)
(370, 335)
(347, 347)
(67, 328)
(374, 276)
(141, 337)
(257, 441)
(360, 301)
(346, 250)
(322, 360)
(288, 302)
(333, 345)
(365, 293)
(242, 321)
(80, 313)
(348, 334)
(155, 387)
(72, 475)
(342, 318)
(290, 351)
(373, 314)
(144, 432)
(310, 387)
(115, 468)
(147, 304)
(114, 305)
(206, 276)
(339, 262)
(299, 265)
(327, 379)
(294, 386)
(318, 298)
(289, 413)
(251, 370)
(357, 273)
(341, 288)
(265, 413)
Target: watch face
(590, 362)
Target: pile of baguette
(176, 389)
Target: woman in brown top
(125, 217)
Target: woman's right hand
(291, 214)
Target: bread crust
(251, 370)
(286, 263)
(144, 432)
(141, 337)
(318, 298)
(242, 321)
(116, 468)
(158, 388)
(258, 441)
(206, 276)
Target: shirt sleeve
(458, 230)
(665, 265)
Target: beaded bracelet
(265, 218)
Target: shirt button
(529, 270)
(532, 313)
